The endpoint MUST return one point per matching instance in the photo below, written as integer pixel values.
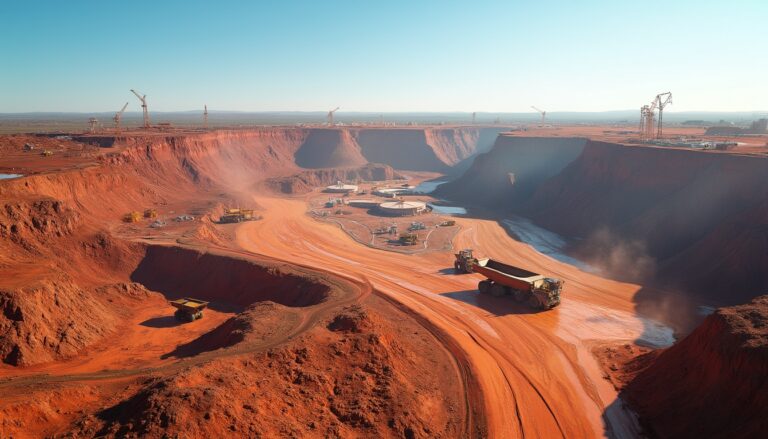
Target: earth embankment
(713, 382)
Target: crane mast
(330, 116)
(118, 117)
(143, 99)
(543, 114)
(662, 99)
(648, 113)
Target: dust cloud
(625, 259)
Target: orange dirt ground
(310, 334)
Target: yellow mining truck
(188, 309)
(132, 217)
(502, 279)
(237, 216)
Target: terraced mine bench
(188, 309)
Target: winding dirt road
(535, 370)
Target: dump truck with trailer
(237, 215)
(502, 279)
(189, 309)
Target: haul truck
(237, 216)
(189, 309)
(525, 286)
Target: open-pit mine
(309, 282)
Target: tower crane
(543, 114)
(330, 116)
(648, 113)
(118, 117)
(662, 100)
(205, 117)
(143, 99)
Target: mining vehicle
(502, 279)
(408, 239)
(132, 217)
(237, 216)
(188, 309)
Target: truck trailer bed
(506, 274)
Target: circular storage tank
(340, 188)
(392, 192)
(402, 208)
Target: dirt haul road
(535, 370)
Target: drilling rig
(118, 117)
(143, 99)
(330, 116)
(543, 114)
(205, 117)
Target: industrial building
(402, 208)
(364, 203)
(341, 188)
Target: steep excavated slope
(511, 171)
(713, 383)
(179, 272)
(686, 210)
(55, 255)
(693, 220)
(733, 254)
(637, 189)
(306, 181)
(423, 149)
(329, 148)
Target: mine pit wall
(180, 272)
(307, 181)
(150, 169)
(329, 148)
(511, 171)
(424, 149)
(699, 217)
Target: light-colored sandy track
(537, 376)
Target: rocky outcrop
(713, 383)
(55, 318)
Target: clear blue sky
(383, 55)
